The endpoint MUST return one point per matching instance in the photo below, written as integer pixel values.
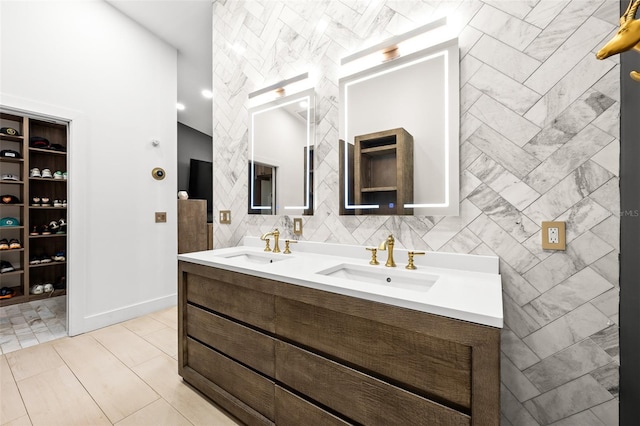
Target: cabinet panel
(355, 395)
(248, 386)
(292, 410)
(435, 367)
(249, 306)
(237, 341)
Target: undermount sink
(252, 257)
(396, 278)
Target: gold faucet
(410, 265)
(387, 244)
(276, 235)
(287, 250)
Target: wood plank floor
(126, 374)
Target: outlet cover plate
(161, 217)
(225, 216)
(548, 245)
(297, 226)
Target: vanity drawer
(355, 395)
(432, 367)
(292, 410)
(244, 344)
(244, 304)
(249, 387)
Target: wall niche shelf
(383, 170)
(33, 246)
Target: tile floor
(125, 374)
(28, 324)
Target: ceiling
(187, 26)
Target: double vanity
(319, 336)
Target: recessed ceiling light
(207, 94)
(180, 106)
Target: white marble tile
(609, 157)
(503, 120)
(582, 217)
(568, 55)
(468, 182)
(468, 96)
(468, 125)
(516, 286)
(503, 26)
(566, 159)
(503, 151)
(517, 352)
(566, 365)
(568, 399)
(561, 27)
(608, 412)
(506, 59)
(467, 39)
(464, 242)
(609, 267)
(451, 225)
(519, 9)
(566, 330)
(608, 196)
(584, 418)
(567, 90)
(568, 295)
(516, 381)
(545, 11)
(513, 410)
(505, 90)
(469, 65)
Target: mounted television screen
(200, 183)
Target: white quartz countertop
(461, 286)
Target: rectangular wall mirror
(281, 142)
(399, 124)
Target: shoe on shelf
(46, 173)
(6, 293)
(35, 260)
(46, 202)
(59, 256)
(63, 226)
(4, 244)
(35, 230)
(54, 227)
(57, 203)
(45, 259)
(35, 201)
(6, 267)
(64, 175)
(64, 203)
(45, 230)
(10, 176)
(35, 173)
(14, 244)
(47, 288)
(58, 175)
(36, 289)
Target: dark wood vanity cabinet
(275, 353)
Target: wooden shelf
(12, 273)
(11, 182)
(47, 236)
(2, 228)
(17, 298)
(47, 179)
(12, 250)
(47, 208)
(379, 150)
(43, 265)
(11, 160)
(380, 189)
(55, 293)
(10, 138)
(13, 205)
(47, 151)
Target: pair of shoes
(41, 288)
(36, 173)
(11, 244)
(6, 293)
(40, 230)
(37, 260)
(41, 201)
(10, 176)
(58, 175)
(6, 267)
(59, 203)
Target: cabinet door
(355, 395)
(291, 410)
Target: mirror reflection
(281, 141)
(399, 123)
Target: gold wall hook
(627, 37)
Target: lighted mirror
(281, 142)
(399, 134)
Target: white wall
(116, 82)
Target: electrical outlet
(553, 236)
(225, 216)
(297, 226)
(161, 217)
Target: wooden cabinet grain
(284, 352)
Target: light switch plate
(553, 236)
(297, 226)
(225, 216)
(161, 217)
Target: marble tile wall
(539, 141)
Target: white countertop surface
(467, 287)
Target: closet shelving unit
(25, 188)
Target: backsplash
(538, 141)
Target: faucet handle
(410, 265)
(267, 247)
(374, 253)
(286, 246)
